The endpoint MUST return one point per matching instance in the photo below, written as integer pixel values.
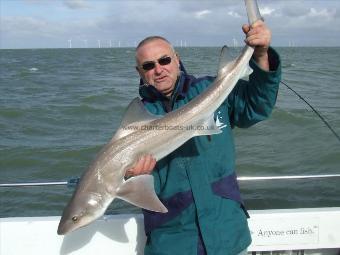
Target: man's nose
(158, 68)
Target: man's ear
(139, 71)
(177, 55)
(178, 58)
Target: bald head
(151, 38)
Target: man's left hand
(259, 36)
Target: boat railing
(74, 181)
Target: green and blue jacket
(197, 182)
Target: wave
(33, 69)
(11, 113)
(294, 116)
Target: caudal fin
(253, 11)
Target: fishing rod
(314, 110)
(74, 181)
(70, 183)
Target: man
(197, 182)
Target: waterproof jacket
(197, 182)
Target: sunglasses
(163, 61)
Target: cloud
(195, 6)
(266, 11)
(202, 14)
(76, 4)
(234, 14)
(203, 23)
(323, 13)
(292, 11)
(27, 26)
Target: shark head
(83, 208)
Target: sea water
(58, 107)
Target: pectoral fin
(140, 191)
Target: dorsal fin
(135, 116)
(225, 60)
(136, 112)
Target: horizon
(176, 47)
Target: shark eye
(74, 219)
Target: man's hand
(145, 165)
(259, 35)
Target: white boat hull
(316, 231)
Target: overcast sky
(53, 23)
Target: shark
(141, 133)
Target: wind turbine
(85, 43)
(70, 43)
(98, 43)
(235, 43)
(110, 44)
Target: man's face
(162, 77)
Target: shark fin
(139, 191)
(253, 11)
(247, 71)
(226, 63)
(207, 127)
(135, 116)
(226, 60)
(136, 112)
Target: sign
(285, 231)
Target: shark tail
(253, 11)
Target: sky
(113, 23)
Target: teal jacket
(197, 182)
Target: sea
(58, 107)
